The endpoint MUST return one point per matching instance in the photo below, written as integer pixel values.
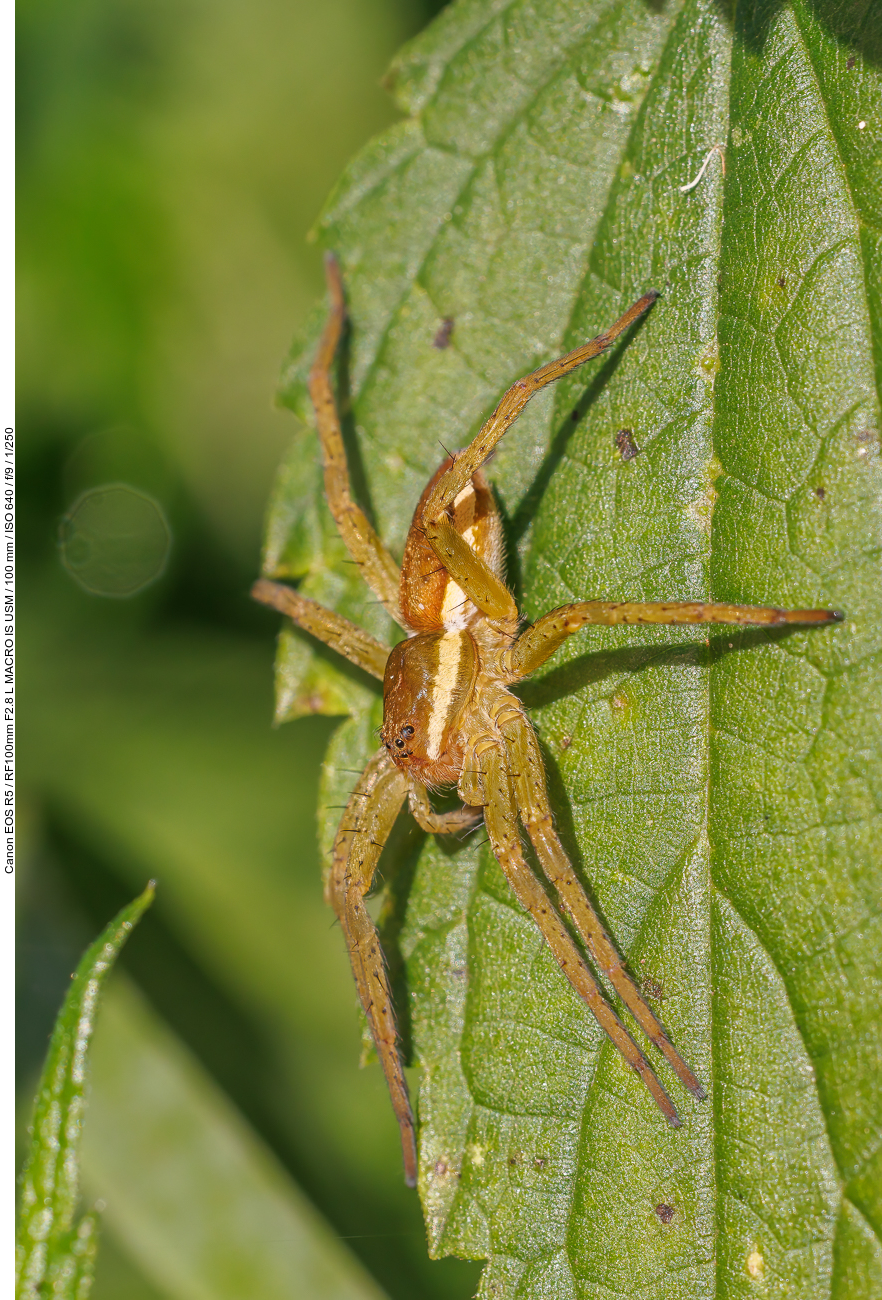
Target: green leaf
(721, 795)
(54, 1257)
(197, 1199)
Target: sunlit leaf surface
(720, 795)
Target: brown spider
(450, 719)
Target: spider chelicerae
(449, 718)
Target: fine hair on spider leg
(450, 719)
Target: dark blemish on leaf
(565, 742)
(665, 1212)
(514, 1161)
(539, 1162)
(442, 338)
(782, 282)
(653, 989)
(821, 493)
(627, 446)
(575, 417)
(849, 63)
(865, 438)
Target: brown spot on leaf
(665, 1212)
(628, 448)
(442, 338)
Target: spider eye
(408, 730)
(400, 743)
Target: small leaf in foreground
(54, 1256)
(211, 1212)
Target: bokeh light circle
(114, 540)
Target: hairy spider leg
(447, 823)
(501, 819)
(482, 586)
(528, 774)
(358, 646)
(360, 538)
(539, 642)
(367, 821)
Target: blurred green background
(172, 158)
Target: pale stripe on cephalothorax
(450, 648)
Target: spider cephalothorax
(428, 684)
(450, 719)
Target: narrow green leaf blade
(72, 1270)
(49, 1251)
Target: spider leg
(379, 569)
(448, 823)
(476, 580)
(501, 818)
(366, 823)
(530, 792)
(538, 642)
(358, 646)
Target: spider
(449, 718)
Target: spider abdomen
(430, 599)
(429, 680)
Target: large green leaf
(721, 795)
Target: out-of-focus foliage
(720, 793)
(207, 1210)
(172, 159)
(53, 1255)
